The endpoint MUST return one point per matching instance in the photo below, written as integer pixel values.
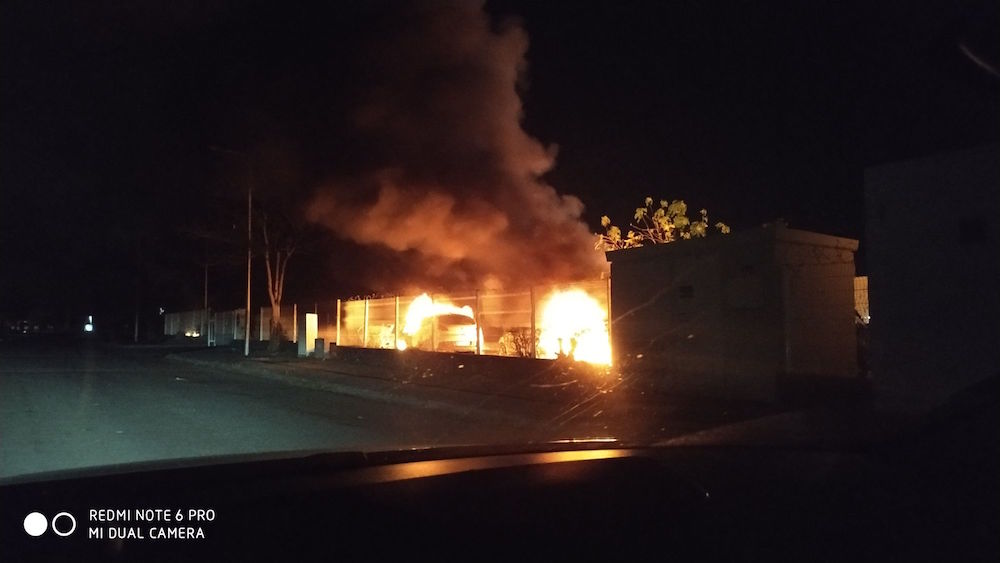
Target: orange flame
(574, 324)
(423, 308)
(571, 324)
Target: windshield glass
(259, 228)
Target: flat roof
(777, 231)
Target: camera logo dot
(66, 528)
(35, 524)
(63, 524)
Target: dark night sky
(754, 110)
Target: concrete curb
(282, 374)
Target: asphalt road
(80, 405)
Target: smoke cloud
(448, 173)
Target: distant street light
(249, 163)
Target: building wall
(818, 287)
(713, 314)
(932, 233)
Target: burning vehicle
(441, 327)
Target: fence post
(479, 339)
(337, 341)
(395, 325)
(364, 338)
(531, 295)
(295, 322)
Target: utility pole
(204, 316)
(138, 289)
(246, 339)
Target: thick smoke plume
(449, 174)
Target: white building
(934, 275)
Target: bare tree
(281, 239)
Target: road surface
(82, 405)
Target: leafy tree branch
(656, 225)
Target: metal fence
(289, 322)
(499, 323)
(188, 323)
(540, 322)
(218, 328)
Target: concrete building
(932, 231)
(732, 315)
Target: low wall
(525, 378)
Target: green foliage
(657, 225)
